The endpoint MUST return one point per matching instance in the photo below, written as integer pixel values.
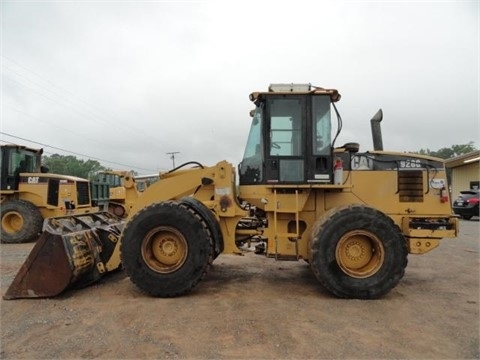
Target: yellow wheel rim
(164, 249)
(360, 254)
(12, 222)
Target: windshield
(251, 165)
(23, 161)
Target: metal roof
(460, 160)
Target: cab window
(251, 167)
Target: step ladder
(289, 236)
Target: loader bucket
(71, 253)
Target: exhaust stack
(377, 130)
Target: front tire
(21, 221)
(166, 249)
(357, 252)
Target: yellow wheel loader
(123, 190)
(353, 216)
(29, 194)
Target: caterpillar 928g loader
(355, 231)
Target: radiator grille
(410, 186)
(52, 195)
(83, 193)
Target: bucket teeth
(71, 252)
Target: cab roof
(295, 89)
(21, 147)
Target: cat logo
(33, 180)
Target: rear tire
(21, 221)
(166, 249)
(467, 217)
(357, 252)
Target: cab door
(285, 139)
(298, 139)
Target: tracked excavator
(352, 216)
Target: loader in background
(353, 216)
(29, 194)
(144, 181)
(122, 190)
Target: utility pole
(172, 156)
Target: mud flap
(70, 253)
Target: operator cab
(16, 159)
(290, 136)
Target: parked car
(466, 205)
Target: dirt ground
(256, 308)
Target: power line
(61, 95)
(63, 103)
(74, 153)
(68, 100)
(64, 129)
(44, 151)
(28, 80)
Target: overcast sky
(126, 82)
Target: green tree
(447, 153)
(70, 165)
